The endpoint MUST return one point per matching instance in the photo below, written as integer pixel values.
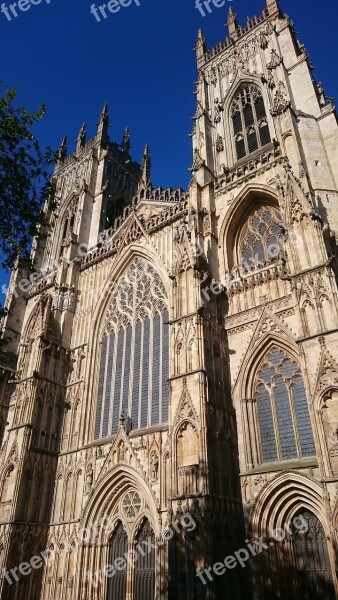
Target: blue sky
(140, 61)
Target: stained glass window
(249, 121)
(261, 240)
(134, 363)
(283, 414)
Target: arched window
(134, 367)
(283, 414)
(261, 238)
(118, 547)
(249, 121)
(311, 558)
(144, 574)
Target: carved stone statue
(121, 455)
(332, 439)
(89, 479)
(154, 467)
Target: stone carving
(219, 144)
(198, 162)
(275, 60)
(213, 78)
(121, 454)
(263, 39)
(154, 466)
(281, 102)
(89, 479)
(218, 109)
(332, 439)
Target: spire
(146, 167)
(126, 145)
(273, 7)
(62, 152)
(232, 22)
(102, 128)
(81, 138)
(201, 47)
(104, 112)
(200, 40)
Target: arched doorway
(144, 574)
(117, 585)
(312, 561)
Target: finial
(122, 418)
(146, 166)
(102, 128)
(201, 47)
(126, 145)
(104, 112)
(62, 152)
(232, 22)
(81, 138)
(273, 7)
(200, 38)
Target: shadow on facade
(288, 572)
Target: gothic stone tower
(171, 382)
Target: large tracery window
(261, 239)
(283, 413)
(134, 366)
(249, 121)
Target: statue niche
(187, 460)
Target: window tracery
(282, 409)
(249, 121)
(131, 504)
(261, 239)
(134, 365)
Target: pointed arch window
(118, 547)
(134, 364)
(285, 429)
(249, 121)
(261, 239)
(311, 558)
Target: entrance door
(117, 585)
(144, 575)
(312, 561)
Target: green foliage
(25, 186)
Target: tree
(25, 185)
(26, 190)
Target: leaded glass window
(249, 121)
(283, 414)
(131, 504)
(134, 363)
(261, 239)
(311, 558)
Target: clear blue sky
(140, 61)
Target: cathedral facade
(169, 392)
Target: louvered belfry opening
(117, 585)
(144, 574)
(249, 121)
(134, 362)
